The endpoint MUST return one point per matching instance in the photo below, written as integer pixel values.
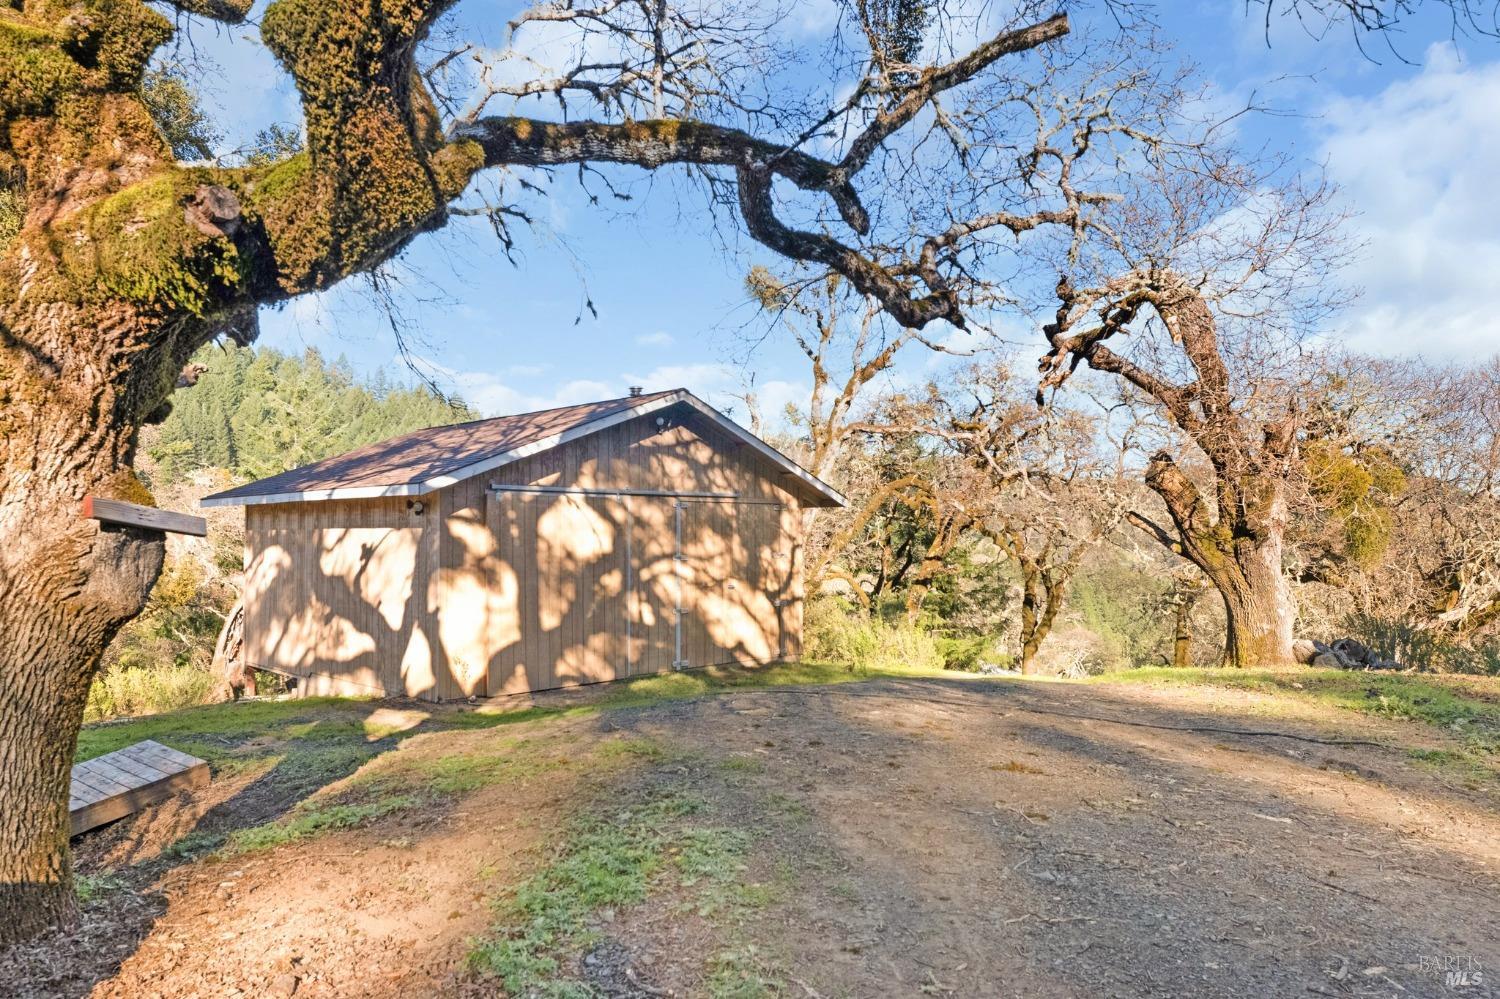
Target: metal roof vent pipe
(635, 390)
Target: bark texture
(1042, 592)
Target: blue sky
(1414, 147)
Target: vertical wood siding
(336, 593)
(498, 592)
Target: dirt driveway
(968, 840)
(904, 838)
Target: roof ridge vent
(635, 391)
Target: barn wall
(551, 590)
(487, 594)
(336, 593)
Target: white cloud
(658, 339)
(512, 390)
(310, 309)
(773, 398)
(1418, 161)
(710, 381)
(813, 17)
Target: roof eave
(833, 496)
(314, 495)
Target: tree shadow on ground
(995, 835)
(281, 757)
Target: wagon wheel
(229, 661)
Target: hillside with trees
(252, 413)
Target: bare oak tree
(1051, 500)
(1206, 281)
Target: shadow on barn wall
(473, 592)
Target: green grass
(1469, 765)
(1466, 708)
(380, 784)
(633, 748)
(607, 861)
(215, 731)
(604, 861)
(310, 818)
(740, 974)
(89, 887)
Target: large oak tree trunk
(1241, 555)
(76, 382)
(1240, 551)
(66, 586)
(57, 613)
(1259, 609)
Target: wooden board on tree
(110, 511)
(118, 784)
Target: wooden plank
(150, 747)
(139, 767)
(105, 768)
(119, 512)
(116, 784)
(93, 777)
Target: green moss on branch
(136, 245)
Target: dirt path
(968, 840)
(917, 837)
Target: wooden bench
(116, 784)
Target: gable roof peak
(426, 460)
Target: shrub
(835, 632)
(147, 690)
(966, 653)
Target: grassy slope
(329, 758)
(219, 733)
(1465, 708)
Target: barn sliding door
(656, 585)
(731, 583)
(616, 585)
(569, 556)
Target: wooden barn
(567, 546)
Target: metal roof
(427, 460)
